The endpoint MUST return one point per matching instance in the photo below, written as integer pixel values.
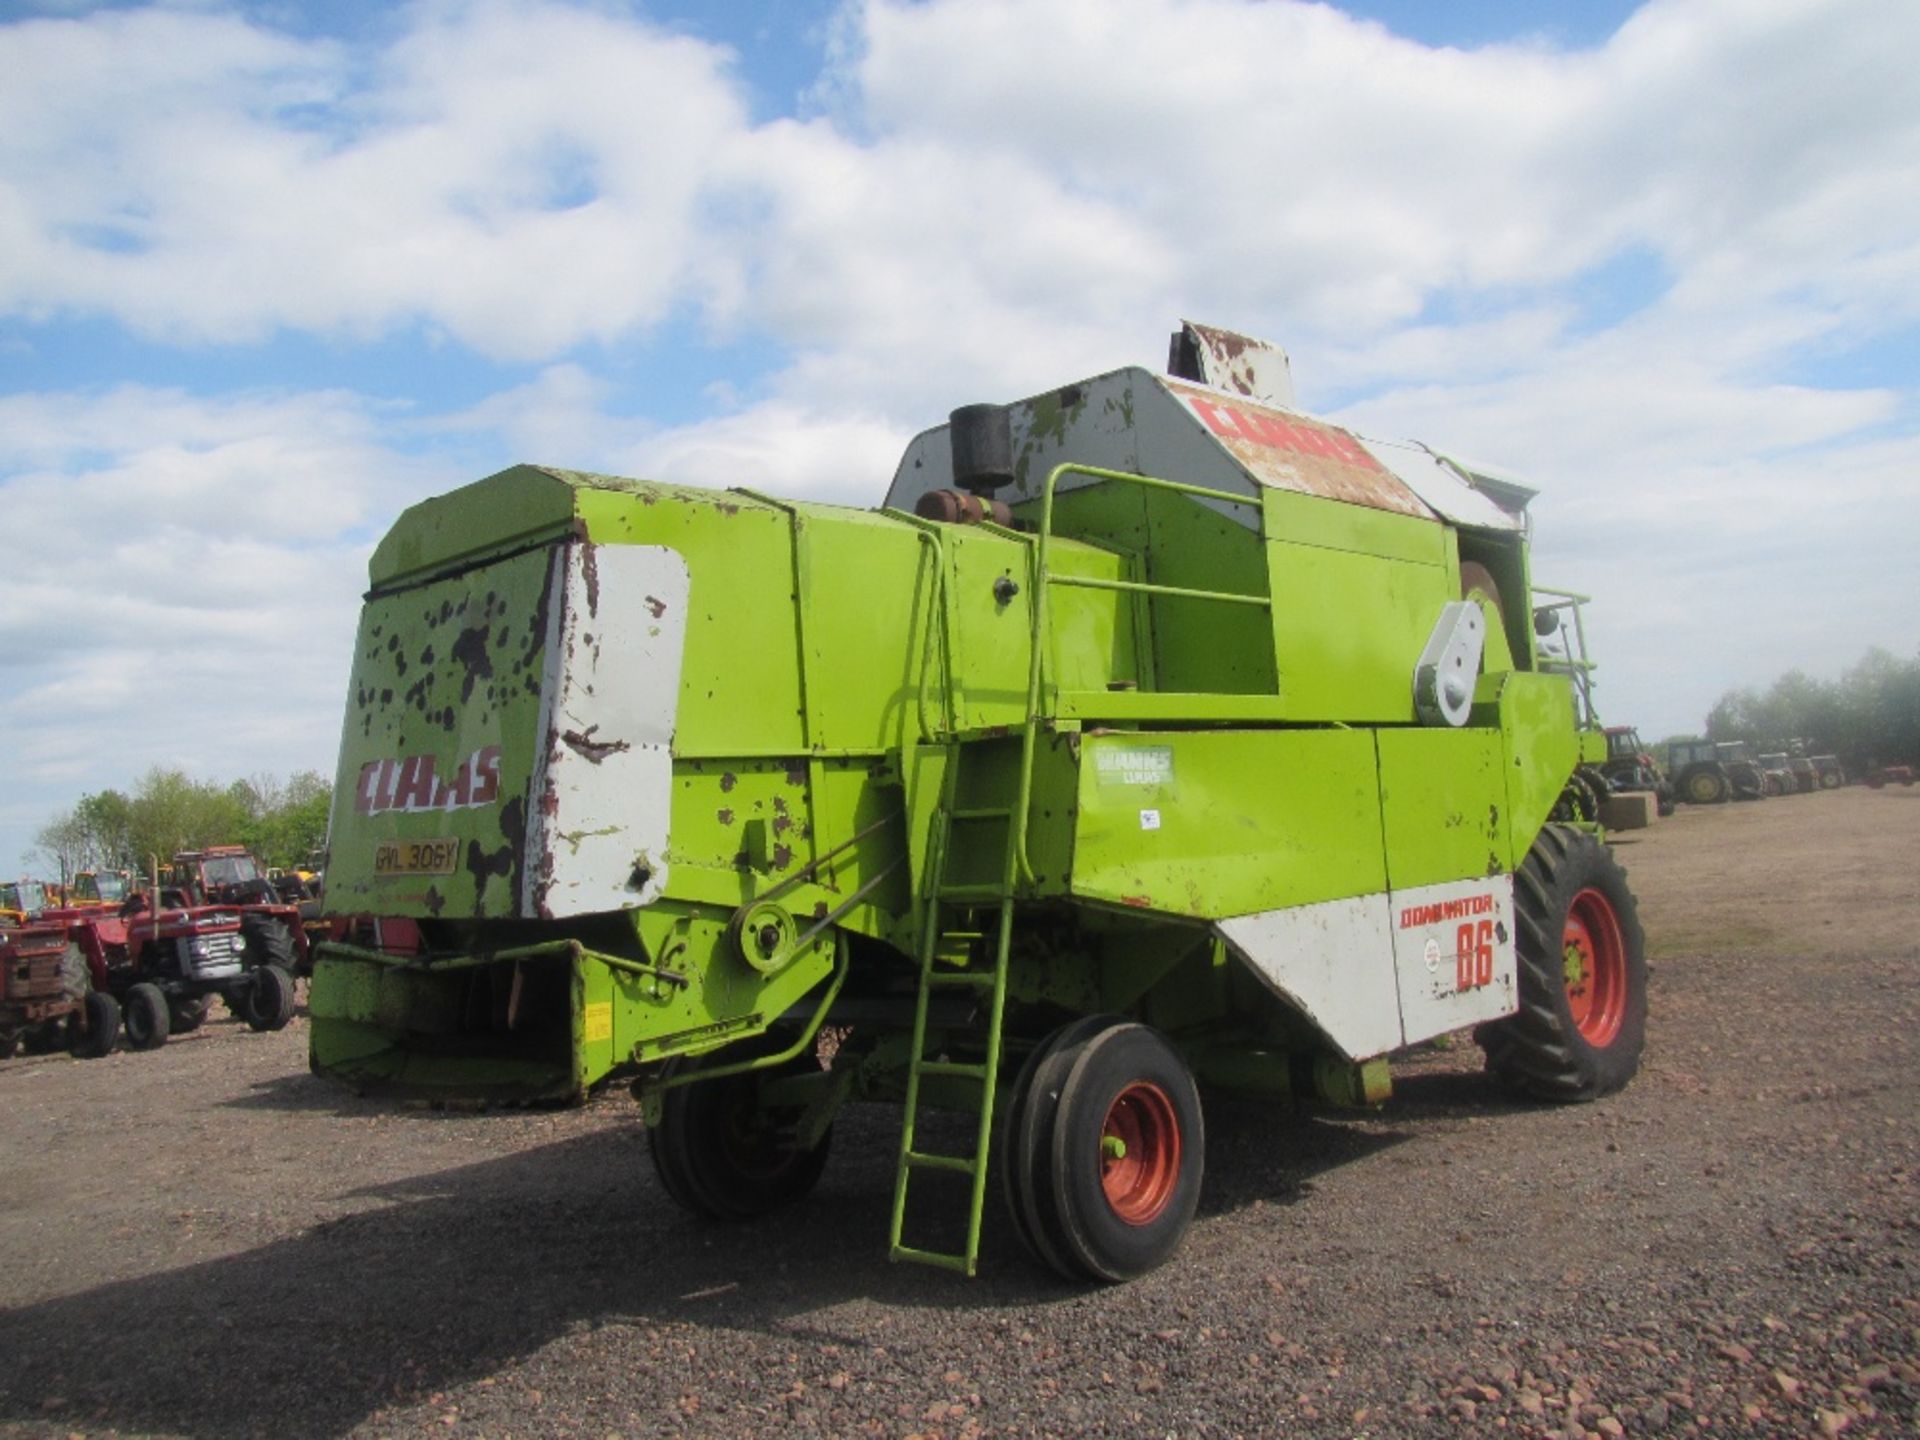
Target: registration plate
(416, 857)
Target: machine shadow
(444, 1278)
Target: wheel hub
(1594, 966)
(1140, 1153)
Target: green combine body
(1152, 733)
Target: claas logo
(414, 783)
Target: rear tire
(720, 1155)
(1582, 1019)
(147, 1018)
(93, 1031)
(1706, 787)
(1116, 1153)
(268, 942)
(1026, 1138)
(268, 1004)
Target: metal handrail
(1043, 578)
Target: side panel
(604, 780)
(1213, 823)
(1443, 797)
(1453, 951)
(1334, 963)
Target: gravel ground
(206, 1240)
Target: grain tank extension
(1152, 734)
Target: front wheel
(1583, 974)
(148, 1019)
(93, 1031)
(268, 1003)
(721, 1154)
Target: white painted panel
(603, 789)
(1453, 948)
(1333, 962)
(1440, 485)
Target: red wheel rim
(1140, 1153)
(1595, 958)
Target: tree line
(281, 821)
(1869, 716)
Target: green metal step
(970, 979)
(959, 1164)
(932, 1257)
(951, 1068)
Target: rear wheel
(268, 941)
(1026, 1138)
(94, 1029)
(719, 1153)
(1583, 975)
(1705, 786)
(147, 1017)
(268, 1004)
(9, 1044)
(1115, 1151)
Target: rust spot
(655, 607)
(782, 823)
(819, 909)
(1140, 902)
(590, 568)
(727, 781)
(725, 816)
(582, 743)
(782, 856)
(471, 651)
(435, 901)
(797, 773)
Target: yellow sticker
(598, 1021)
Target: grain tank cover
(1210, 432)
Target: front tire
(268, 1003)
(93, 1031)
(148, 1020)
(1706, 787)
(1582, 1019)
(720, 1154)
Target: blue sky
(269, 273)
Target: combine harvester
(1143, 739)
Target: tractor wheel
(1583, 975)
(719, 1154)
(1706, 786)
(1663, 801)
(1829, 780)
(268, 1002)
(1125, 1148)
(75, 978)
(147, 1017)
(93, 1031)
(1026, 1137)
(1774, 787)
(268, 942)
(9, 1044)
(186, 1016)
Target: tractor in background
(1630, 767)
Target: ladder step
(959, 1164)
(992, 812)
(932, 1257)
(970, 978)
(952, 1067)
(972, 892)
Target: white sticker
(1149, 819)
(1433, 955)
(1134, 764)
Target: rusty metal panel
(1235, 363)
(603, 784)
(1289, 451)
(1445, 485)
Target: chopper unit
(1153, 733)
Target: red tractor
(1880, 776)
(47, 995)
(165, 963)
(229, 876)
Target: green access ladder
(957, 915)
